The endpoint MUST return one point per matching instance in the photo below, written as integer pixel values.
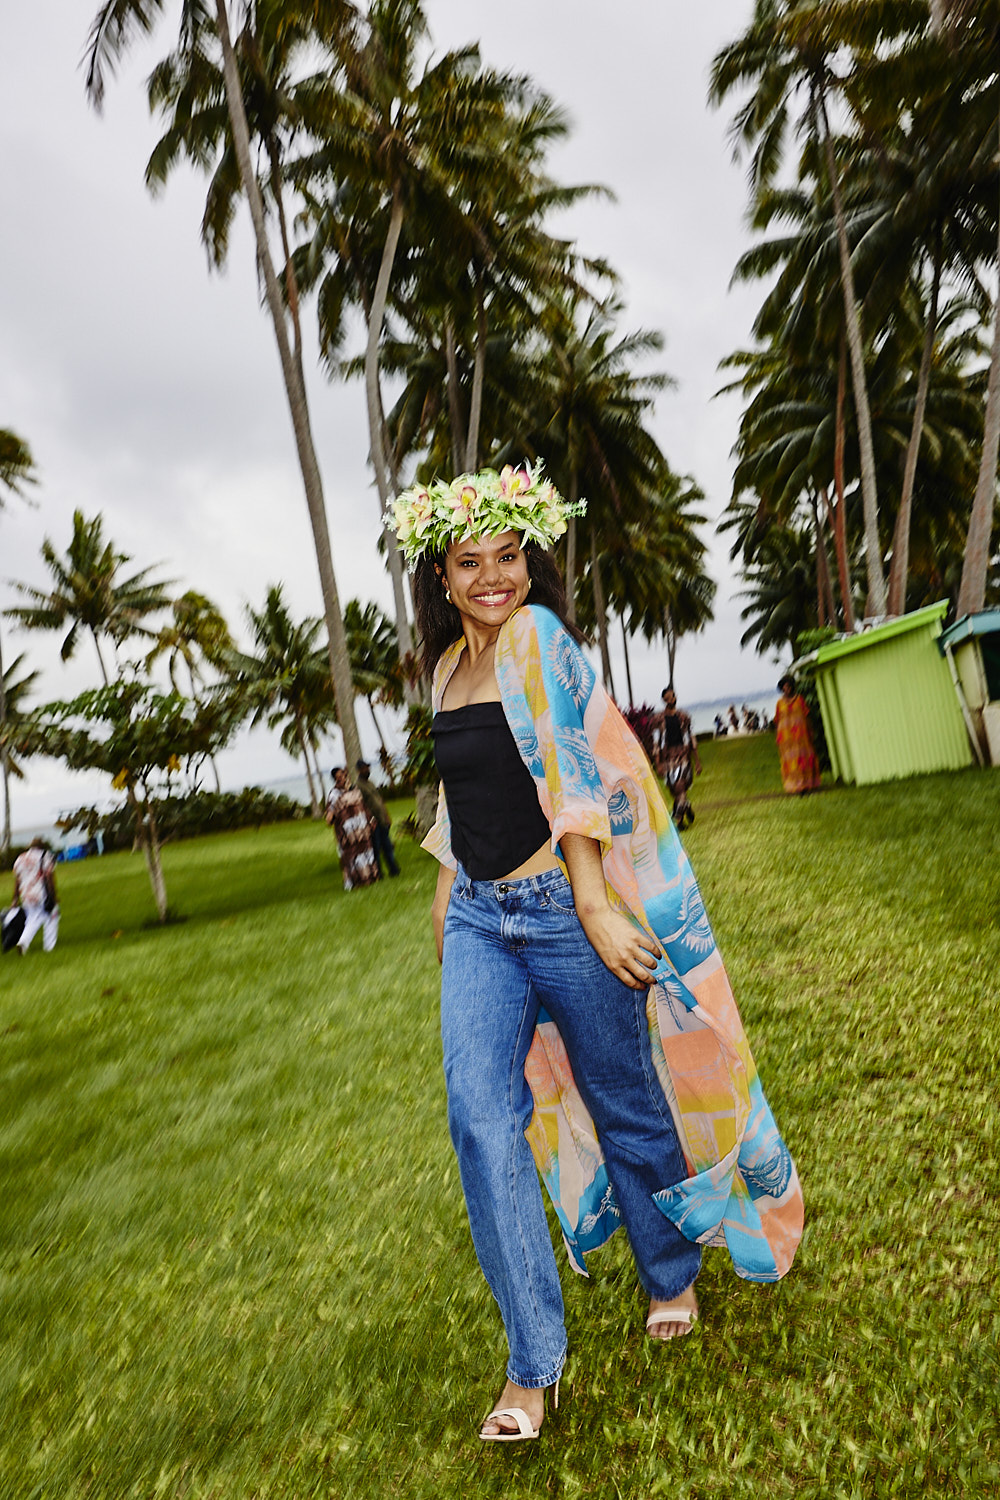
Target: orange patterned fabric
(799, 766)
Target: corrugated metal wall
(889, 704)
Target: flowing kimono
(592, 778)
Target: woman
(354, 828)
(586, 1018)
(796, 753)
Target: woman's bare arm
(439, 906)
(628, 952)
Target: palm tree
(789, 49)
(90, 594)
(270, 37)
(375, 664)
(286, 680)
(583, 406)
(196, 635)
(17, 469)
(404, 147)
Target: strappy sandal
(525, 1432)
(670, 1315)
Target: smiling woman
(585, 1013)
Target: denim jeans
(510, 947)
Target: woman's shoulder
(446, 664)
(535, 621)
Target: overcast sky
(149, 389)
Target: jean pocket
(560, 897)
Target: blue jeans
(509, 948)
(384, 851)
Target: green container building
(889, 703)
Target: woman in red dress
(799, 765)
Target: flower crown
(428, 518)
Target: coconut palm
(582, 405)
(375, 666)
(196, 635)
(408, 150)
(90, 594)
(213, 128)
(17, 469)
(285, 680)
(788, 55)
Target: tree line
(871, 416)
(407, 192)
(129, 727)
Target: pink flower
(463, 496)
(513, 481)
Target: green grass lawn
(234, 1261)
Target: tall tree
(409, 145)
(285, 681)
(196, 635)
(788, 57)
(375, 664)
(17, 469)
(269, 36)
(90, 594)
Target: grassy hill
(234, 1260)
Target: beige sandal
(525, 1432)
(670, 1315)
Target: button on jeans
(509, 948)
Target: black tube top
(496, 820)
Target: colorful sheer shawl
(593, 779)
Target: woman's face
(488, 579)
(788, 688)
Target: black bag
(12, 927)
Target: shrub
(187, 817)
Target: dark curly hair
(439, 623)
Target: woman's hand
(622, 947)
(629, 953)
(439, 906)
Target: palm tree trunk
(459, 435)
(628, 664)
(300, 735)
(100, 658)
(600, 612)
(900, 565)
(4, 760)
(376, 421)
(478, 380)
(574, 486)
(869, 490)
(825, 610)
(378, 727)
(670, 638)
(975, 565)
(840, 518)
(340, 670)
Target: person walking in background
(35, 893)
(678, 752)
(796, 752)
(353, 827)
(384, 851)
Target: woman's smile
(487, 578)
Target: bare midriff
(543, 859)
